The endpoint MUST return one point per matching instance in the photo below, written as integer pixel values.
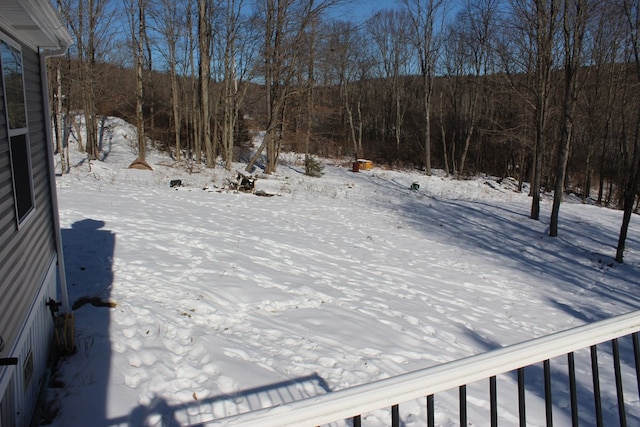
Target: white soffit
(35, 23)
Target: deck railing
(600, 338)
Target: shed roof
(35, 23)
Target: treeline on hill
(501, 144)
(545, 91)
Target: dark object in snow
(94, 301)
(263, 193)
(243, 183)
(175, 183)
(415, 186)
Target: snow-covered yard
(227, 302)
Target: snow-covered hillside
(227, 302)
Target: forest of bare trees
(543, 91)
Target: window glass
(15, 109)
(13, 85)
(21, 175)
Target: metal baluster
(572, 389)
(395, 416)
(547, 392)
(430, 412)
(463, 405)
(522, 409)
(493, 401)
(595, 372)
(618, 373)
(636, 353)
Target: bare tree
(443, 136)
(195, 145)
(205, 35)
(352, 65)
(575, 14)
(310, 87)
(137, 24)
(535, 25)
(631, 13)
(230, 83)
(237, 45)
(424, 18)
(277, 76)
(59, 119)
(90, 24)
(479, 20)
(389, 31)
(284, 24)
(171, 26)
(601, 93)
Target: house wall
(27, 261)
(20, 385)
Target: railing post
(636, 354)
(388, 393)
(547, 392)
(595, 373)
(619, 390)
(430, 412)
(493, 401)
(522, 407)
(573, 389)
(395, 416)
(463, 405)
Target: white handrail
(346, 403)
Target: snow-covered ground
(227, 302)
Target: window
(16, 116)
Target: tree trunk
(175, 104)
(469, 133)
(59, 117)
(545, 33)
(352, 130)
(574, 29)
(586, 191)
(204, 48)
(443, 133)
(137, 39)
(632, 15)
(310, 86)
(427, 131)
(229, 85)
(629, 198)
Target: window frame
(13, 136)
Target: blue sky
(358, 10)
(362, 9)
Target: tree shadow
(569, 261)
(576, 262)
